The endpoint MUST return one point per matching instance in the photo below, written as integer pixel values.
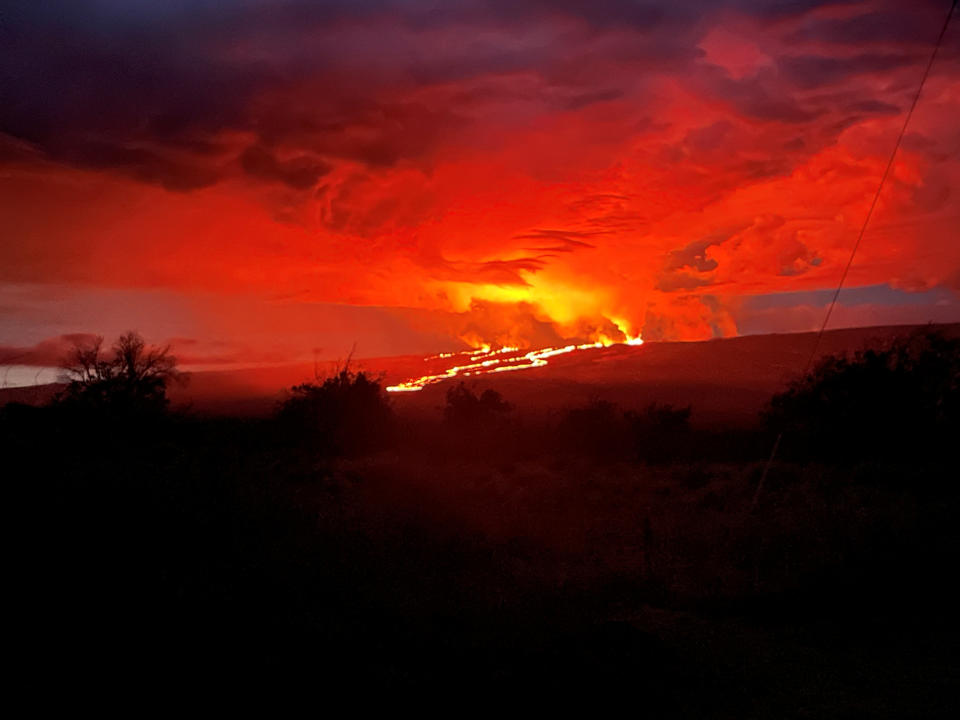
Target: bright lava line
(488, 362)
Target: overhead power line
(863, 229)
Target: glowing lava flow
(486, 361)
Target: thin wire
(856, 245)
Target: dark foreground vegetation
(603, 553)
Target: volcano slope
(477, 559)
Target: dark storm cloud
(761, 97)
(648, 14)
(874, 107)
(378, 134)
(152, 88)
(707, 138)
(299, 173)
(91, 89)
(582, 100)
(147, 88)
(142, 164)
(812, 71)
(894, 23)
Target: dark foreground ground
(188, 550)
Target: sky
(268, 181)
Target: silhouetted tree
(131, 377)
(346, 413)
(465, 408)
(901, 400)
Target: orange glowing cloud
(527, 175)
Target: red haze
(515, 173)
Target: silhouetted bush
(666, 418)
(465, 409)
(900, 401)
(130, 379)
(596, 428)
(347, 413)
(661, 432)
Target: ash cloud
(416, 154)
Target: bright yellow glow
(624, 327)
(560, 302)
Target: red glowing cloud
(516, 173)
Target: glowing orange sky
(266, 182)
